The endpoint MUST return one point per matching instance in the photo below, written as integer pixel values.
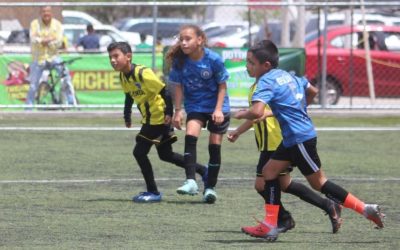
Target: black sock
(214, 164)
(273, 192)
(166, 154)
(306, 194)
(140, 153)
(334, 192)
(190, 156)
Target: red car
(346, 61)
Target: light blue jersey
(285, 94)
(200, 81)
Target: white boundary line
(72, 181)
(345, 129)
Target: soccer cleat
(262, 230)
(285, 223)
(373, 212)
(210, 196)
(147, 197)
(335, 212)
(189, 187)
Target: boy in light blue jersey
(199, 77)
(288, 97)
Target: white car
(107, 35)
(78, 17)
(215, 29)
(235, 40)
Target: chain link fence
(355, 66)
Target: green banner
(96, 82)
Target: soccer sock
(166, 153)
(190, 156)
(271, 214)
(306, 194)
(214, 164)
(282, 210)
(341, 196)
(140, 153)
(273, 192)
(272, 201)
(354, 203)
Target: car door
(385, 59)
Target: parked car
(19, 41)
(166, 27)
(107, 35)
(78, 17)
(235, 40)
(335, 19)
(216, 29)
(346, 61)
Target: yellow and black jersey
(268, 132)
(144, 87)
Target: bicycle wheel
(43, 94)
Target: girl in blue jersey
(199, 77)
(268, 137)
(288, 97)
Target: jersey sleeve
(175, 76)
(304, 82)
(263, 93)
(151, 83)
(221, 74)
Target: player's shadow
(185, 202)
(109, 200)
(175, 202)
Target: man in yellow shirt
(46, 35)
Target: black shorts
(206, 119)
(303, 155)
(263, 159)
(158, 134)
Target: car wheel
(332, 93)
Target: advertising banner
(96, 82)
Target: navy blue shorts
(206, 119)
(303, 155)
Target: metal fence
(355, 66)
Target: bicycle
(51, 88)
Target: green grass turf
(100, 215)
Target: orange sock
(271, 214)
(354, 203)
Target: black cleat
(335, 212)
(285, 223)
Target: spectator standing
(90, 41)
(46, 35)
(143, 46)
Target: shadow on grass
(279, 241)
(108, 200)
(185, 202)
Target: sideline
(72, 181)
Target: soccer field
(67, 182)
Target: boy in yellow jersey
(268, 137)
(142, 86)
